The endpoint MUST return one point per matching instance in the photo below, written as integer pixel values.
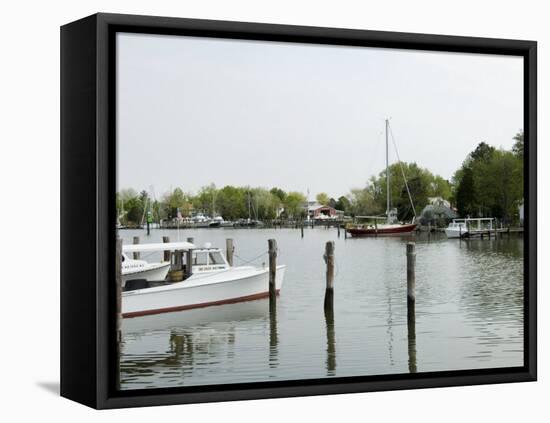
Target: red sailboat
(391, 226)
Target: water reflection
(331, 341)
(411, 335)
(273, 335)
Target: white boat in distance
(212, 282)
(460, 228)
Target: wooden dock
(488, 233)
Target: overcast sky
(194, 111)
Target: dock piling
(166, 239)
(329, 260)
(411, 305)
(302, 229)
(189, 264)
(229, 249)
(272, 251)
(411, 279)
(338, 226)
(136, 254)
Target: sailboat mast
(388, 202)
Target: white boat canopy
(159, 246)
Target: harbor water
(469, 312)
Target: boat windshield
(215, 257)
(200, 258)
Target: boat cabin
(208, 260)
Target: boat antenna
(402, 172)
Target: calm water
(469, 313)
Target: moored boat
(210, 281)
(383, 229)
(142, 270)
(463, 228)
(391, 226)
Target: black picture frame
(88, 159)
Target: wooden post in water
(189, 264)
(136, 254)
(166, 239)
(272, 250)
(191, 240)
(338, 226)
(229, 249)
(411, 301)
(302, 229)
(411, 337)
(329, 260)
(118, 283)
(411, 279)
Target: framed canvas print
(256, 211)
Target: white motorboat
(461, 228)
(210, 281)
(456, 229)
(132, 269)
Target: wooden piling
(118, 283)
(272, 251)
(331, 341)
(136, 254)
(189, 263)
(411, 305)
(411, 337)
(166, 239)
(338, 226)
(329, 260)
(302, 229)
(229, 249)
(411, 279)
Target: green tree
(175, 200)
(343, 204)
(294, 204)
(232, 202)
(465, 194)
(518, 147)
(490, 182)
(205, 200)
(363, 202)
(279, 193)
(422, 185)
(322, 198)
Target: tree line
(489, 183)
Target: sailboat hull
(386, 230)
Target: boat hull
(393, 230)
(153, 272)
(225, 287)
(454, 233)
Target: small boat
(392, 225)
(210, 281)
(463, 228)
(132, 269)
